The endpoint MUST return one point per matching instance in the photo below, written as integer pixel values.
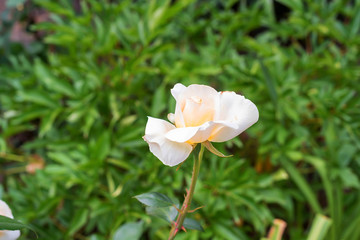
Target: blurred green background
(78, 79)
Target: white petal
(191, 134)
(202, 91)
(5, 210)
(170, 153)
(171, 117)
(179, 118)
(196, 105)
(155, 127)
(234, 107)
(9, 235)
(224, 131)
(182, 135)
(235, 115)
(203, 133)
(177, 90)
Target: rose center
(197, 111)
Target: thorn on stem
(183, 228)
(179, 211)
(187, 193)
(191, 211)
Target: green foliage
(162, 206)
(154, 199)
(10, 224)
(319, 227)
(132, 230)
(77, 100)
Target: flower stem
(177, 226)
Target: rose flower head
(201, 114)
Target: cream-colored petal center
(196, 111)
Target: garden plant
(81, 79)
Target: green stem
(13, 157)
(187, 202)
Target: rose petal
(5, 210)
(203, 133)
(235, 115)
(195, 105)
(170, 153)
(182, 135)
(179, 118)
(9, 235)
(224, 131)
(171, 117)
(202, 91)
(177, 90)
(191, 134)
(157, 127)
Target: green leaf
(349, 178)
(131, 230)
(319, 227)
(212, 149)
(47, 121)
(302, 184)
(159, 101)
(11, 224)
(270, 83)
(101, 147)
(154, 199)
(78, 220)
(62, 158)
(346, 153)
(208, 71)
(351, 230)
(141, 32)
(225, 232)
(190, 223)
(355, 26)
(54, 7)
(157, 16)
(3, 147)
(52, 82)
(167, 213)
(38, 97)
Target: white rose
(7, 234)
(201, 114)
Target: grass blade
(319, 227)
(302, 185)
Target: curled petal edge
(191, 134)
(168, 152)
